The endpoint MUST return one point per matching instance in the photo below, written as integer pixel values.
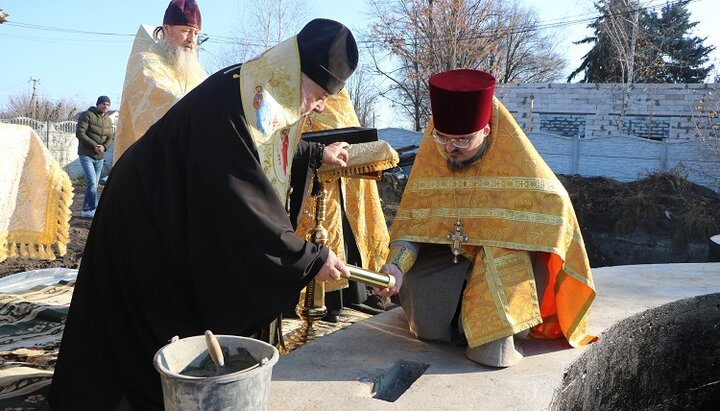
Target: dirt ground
(662, 218)
(659, 219)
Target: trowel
(242, 360)
(215, 351)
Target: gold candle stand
(311, 307)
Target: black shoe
(363, 308)
(395, 300)
(332, 316)
(375, 301)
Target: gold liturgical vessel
(311, 306)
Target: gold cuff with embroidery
(402, 257)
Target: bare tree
(274, 18)
(414, 39)
(382, 40)
(418, 38)
(621, 25)
(526, 55)
(706, 121)
(264, 24)
(398, 37)
(363, 94)
(40, 108)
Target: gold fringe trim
(13, 251)
(65, 197)
(57, 224)
(24, 251)
(335, 173)
(4, 248)
(27, 251)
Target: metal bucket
(244, 387)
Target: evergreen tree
(679, 57)
(662, 49)
(601, 63)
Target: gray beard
(185, 62)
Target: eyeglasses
(457, 142)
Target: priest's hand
(393, 270)
(333, 269)
(336, 154)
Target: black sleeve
(244, 245)
(301, 175)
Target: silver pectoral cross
(457, 237)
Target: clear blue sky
(43, 42)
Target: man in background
(95, 136)
(163, 67)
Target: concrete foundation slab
(337, 371)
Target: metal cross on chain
(457, 237)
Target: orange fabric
(510, 203)
(550, 328)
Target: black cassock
(189, 236)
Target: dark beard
(461, 165)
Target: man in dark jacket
(95, 136)
(192, 233)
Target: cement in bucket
(234, 387)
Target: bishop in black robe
(190, 235)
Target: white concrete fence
(624, 133)
(628, 158)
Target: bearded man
(162, 68)
(485, 246)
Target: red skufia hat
(461, 100)
(183, 13)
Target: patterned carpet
(31, 324)
(348, 316)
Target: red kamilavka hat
(183, 13)
(461, 100)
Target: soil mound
(663, 218)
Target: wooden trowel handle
(214, 349)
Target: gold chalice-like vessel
(311, 306)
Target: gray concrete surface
(336, 372)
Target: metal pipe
(362, 275)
